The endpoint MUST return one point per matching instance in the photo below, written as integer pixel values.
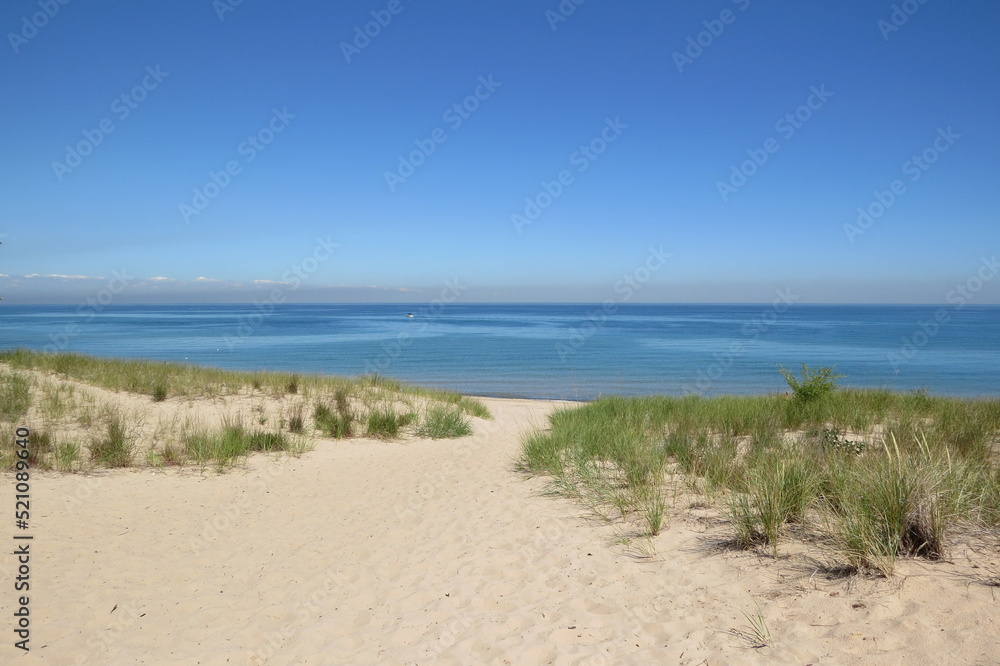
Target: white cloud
(63, 277)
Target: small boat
(410, 315)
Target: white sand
(437, 552)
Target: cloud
(63, 277)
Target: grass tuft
(339, 422)
(15, 396)
(115, 447)
(385, 422)
(441, 421)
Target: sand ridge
(439, 552)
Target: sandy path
(431, 552)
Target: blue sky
(651, 114)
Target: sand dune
(438, 552)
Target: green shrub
(813, 385)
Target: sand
(439, 552)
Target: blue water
(569, 351)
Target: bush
(813, 385)
(159, 393)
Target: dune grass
(338, 422)
(15, 396)
(160, 379)
(877, 475)
(114, 446)
(342, 407)
(442, 421)
(385, 422)
(229, 445)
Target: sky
(399, 150)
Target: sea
(557, 351)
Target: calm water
(548, 351)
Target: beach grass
(444, 421)
(385, 421)
(161, 378)
(83, 429)
(114, 445)
(875, 474)
(229, 445)
(15, 396)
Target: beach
(421, 551)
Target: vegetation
(229, 445)
(385, 422)
(296, 421)
(813, 384)
(76, 429)
(115, 446)
(338, 422)
(872, 474)
(184, 380)
(441, 421)
(15, 396)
